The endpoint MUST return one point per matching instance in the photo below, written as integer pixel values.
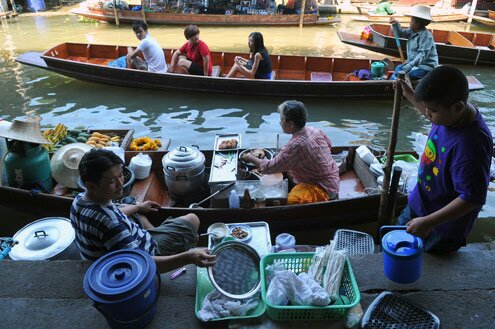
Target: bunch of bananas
(55, 136)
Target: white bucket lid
(43, 239)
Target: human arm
(408, 93)
(175, 60)
(197, 256)
(206, 65)
(422, 226)
(132, 53)
(142, 208)
(421, 50)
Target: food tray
(390, 310)
(260, 240)
(354, 242)
(204, 287)
(299, 262)
(219, 138)
(224, 167)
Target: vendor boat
(453, 47)
(358, 203)
(292, 76)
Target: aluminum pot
(46, 239)
(184, 186)
(183, 161)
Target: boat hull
(447, 53)
(129, 16)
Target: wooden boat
(129, 16)
(484, 20)
(354, 206)
(491, 14)
(453, 47)
(293, 76)
(374, 18)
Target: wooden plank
(456, 39)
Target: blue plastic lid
(401, 243)
(119, 275)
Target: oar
(383, 216)
(301, 17)
(395, 28)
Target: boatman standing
(154, 58)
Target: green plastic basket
(404, 157)
(299, 262)
(204, 287)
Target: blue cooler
(124, 286)
(402, 254)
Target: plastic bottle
(234, 200)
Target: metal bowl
(249, 165)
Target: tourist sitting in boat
(384, 8)
(154, 59)
(193, 57)
(259, 66)
(422, 54)
(306, 158)
(454, 171)
(101, 226)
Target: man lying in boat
(422, 56)
(259, 66)
(154, 59)
(306, 158)
(102, 227)
(193, 57)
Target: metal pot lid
(43, 239)
(236, 273)
(121, 274)
(400, 243)
(183, 158)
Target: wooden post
(143, 12)
(471, 11)
(115, 13)
(14, 10)
(383, 216)
(301, 18)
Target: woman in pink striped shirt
(306, 158)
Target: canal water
(189, 118)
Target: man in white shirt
(154, 58)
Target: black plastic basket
(354, 242)
(392, 311)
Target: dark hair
(259, 45)
(294, 111)
(421, 21)
(444, 85)
(94, 163)
(190, 31)
(137, 24)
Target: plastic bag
(419, 143)
(216, 305)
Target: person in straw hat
(25, 129)
(422, 54)
(102, 227)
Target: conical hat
(420, 12)
(26, 129)
(65, 163)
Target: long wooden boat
(353, 207)
(292, 76)
(129, 16)
(484, 20)
(453, 47)
(374, 18)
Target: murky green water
(189, 118)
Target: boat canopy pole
(143, 12)
(115, 12)
(301, 17)
(385, 211)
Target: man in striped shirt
(306, 158)
(102, 227)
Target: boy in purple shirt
(454, 171)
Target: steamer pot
(46, 239)
(184, 171)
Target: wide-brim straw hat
(65, 163)
(420, 12)
(26, 129)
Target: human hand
(201, 257)
(148, 206)
(419, 227)
(405, 84)
(171, 69)
(248, 157)
(393, 21)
